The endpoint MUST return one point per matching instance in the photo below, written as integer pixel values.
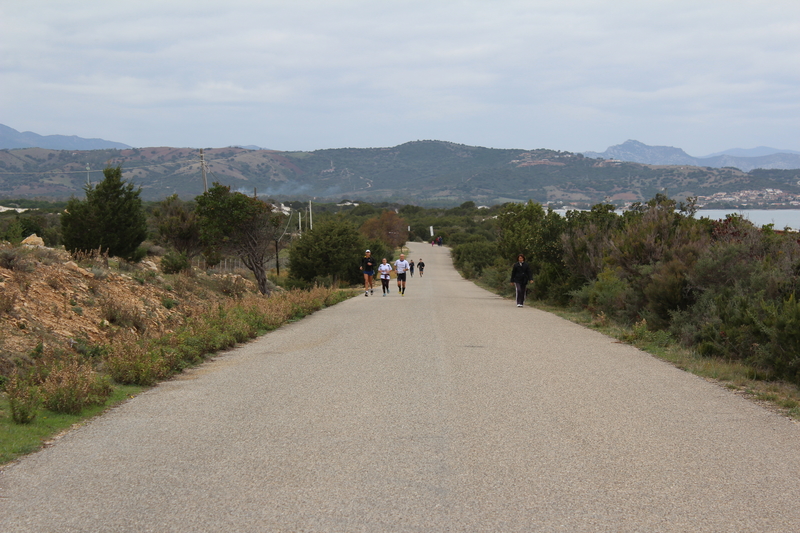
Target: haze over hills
(743, 159)
(11, 138)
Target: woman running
(385, 270)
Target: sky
(575, 75)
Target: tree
(231, 222)
(388, 228)
(178, 226)
(333, 248)
(111, 218)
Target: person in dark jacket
(520, 276)
(368, 265)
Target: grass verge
(20, 439)
(135, 364)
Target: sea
(780, 218)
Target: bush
(130, 362)
(70, 386)
(123, 314)
(172, 263)
(23, 398)
(473, 257)
(609, 294)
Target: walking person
(385, 270)
(401, 265)
(520, 276)
(411, 267)
(420, 266)
(368, 268)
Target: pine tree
(111, 218)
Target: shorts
(369, 272)
(401, 277)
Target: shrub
(23, 398)
(123, 314)
(130, 362)
(7, 301)
(15, 259)
(172, 263)
(70, 386)
(608, 294)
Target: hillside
(420, 172)
(46, 297)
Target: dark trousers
(520, 292)
(385, 284)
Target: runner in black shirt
(421, 267)
(368, 268)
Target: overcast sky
(572, 75)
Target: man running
(401, 265)
(420, 266)
(368, 267)
(411, 267)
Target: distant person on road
(420, 266)
(368, 268)
(411, 267)
(520, 276)
(439, 240)
(385, 270)
(401, 265)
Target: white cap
(367, 252)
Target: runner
(401, 265)
(411, 267)
(420, 266)
(385, 270)
(368, 267)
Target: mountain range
(420, 172)
(743, 159)
(434, 173)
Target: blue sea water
(781, 218)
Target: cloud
(313, 74)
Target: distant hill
(758, 151)
(746, 160)
(421, 172)
(11, 138)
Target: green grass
(17, 440)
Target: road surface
(447, 409)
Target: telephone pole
(203, 170)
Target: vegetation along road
(447, 409)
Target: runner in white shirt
(401, 265)
(385, 270)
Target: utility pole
(87, 175)
(203, 170)
(310, 217)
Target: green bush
(172, 263)
(473, 257)
(609, 294)
(70, 386)
(23, 398)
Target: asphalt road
(447, 409)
